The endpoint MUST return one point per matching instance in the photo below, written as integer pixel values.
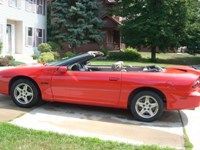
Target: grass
(163, 59)
(16, 63)
(187, 144)
(14, 138)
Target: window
(29, 36)
(13, 3)
(39, 6)
(36, 6)
(39, 36)
(31, 5)
(35, 36)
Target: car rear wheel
(147, 106)
(24, 93)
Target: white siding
(21, 19)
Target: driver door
(87, 87)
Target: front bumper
(190, 102)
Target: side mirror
(62, 69)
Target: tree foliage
(153, 23)
(192, 39)
(75, 22)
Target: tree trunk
(153, 53)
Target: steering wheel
(76, 67)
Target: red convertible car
(146, 91)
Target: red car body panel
(110, 89)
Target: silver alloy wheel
(23, 93)
(146, 106)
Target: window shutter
(26, 36)
(35, 37)
(44, 35)
(43, 7)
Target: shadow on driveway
(168, 119)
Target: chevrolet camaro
(146, 91)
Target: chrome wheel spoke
(25, 99)
(18, 97)
(19, 89)
(142, 111)
(147, 99)
(25, 88)
(141, 104)
(153, 105)
(29, 93)
(150, 112)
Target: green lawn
(163, 59)
(15, 138)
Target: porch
(13, 41)
(112, 37)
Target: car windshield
(196, 67)
(72, 60)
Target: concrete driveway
(8, 110)
(104, 123)
(191, 120)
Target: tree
(75, 22)
(153, 23)
(192, 39)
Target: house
(112, 37)
(22, 26)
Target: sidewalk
(8, 110)
(191, 120)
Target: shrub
(69, 54)
(6, 61)
(56, 55)
(105, 51)
(44, 47)
(54, 46)
(128, 54)
(1, 46)
(46, 57)
(35, 56)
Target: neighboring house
(22, 26)
(112, 37)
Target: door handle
(113, 79)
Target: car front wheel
(24, 93)
(147, 106)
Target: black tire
(35, 97)
(155, 106)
